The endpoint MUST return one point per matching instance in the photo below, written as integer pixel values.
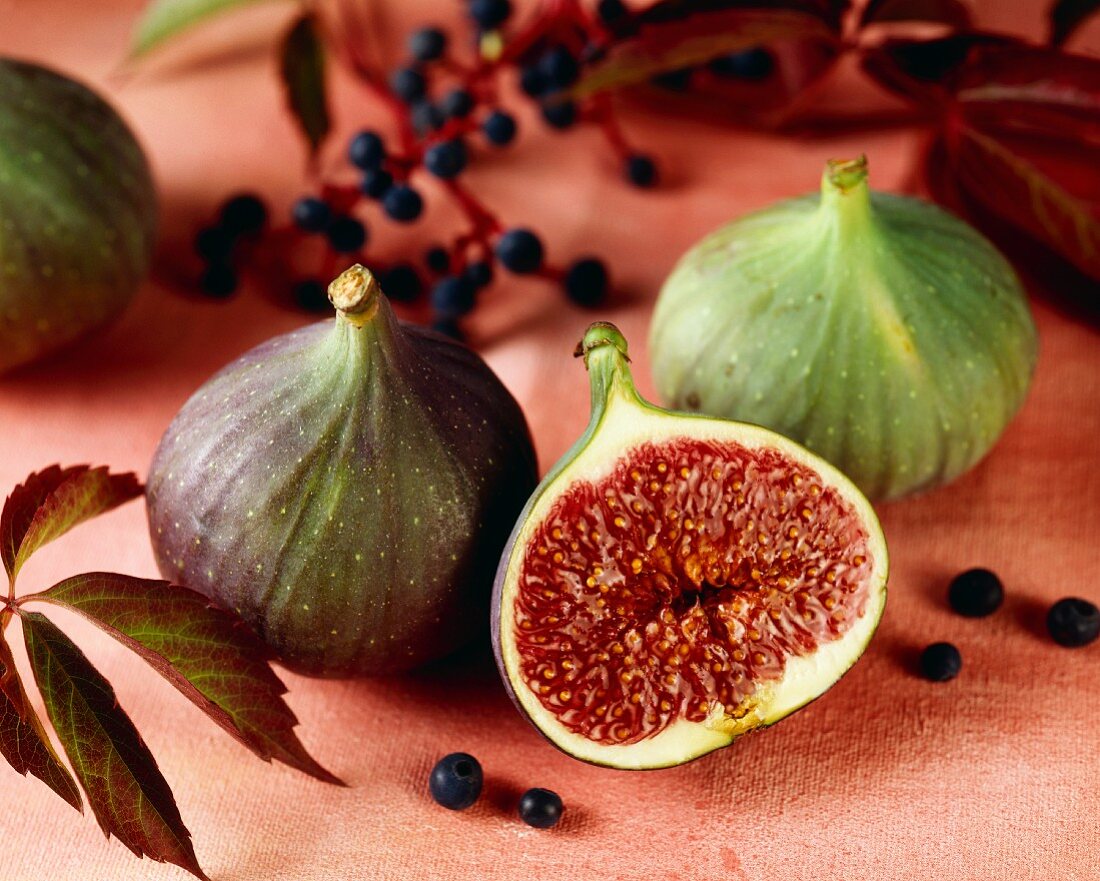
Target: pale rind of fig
(878, 330)
(345, 488)
(77, 212)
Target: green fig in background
(346, 488)
(879, 331)
(77, 212)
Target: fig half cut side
(677, 581)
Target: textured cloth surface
(992, 776)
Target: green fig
(77, 212)
(677, 581)
(878, 330)
(346, 488)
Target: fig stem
(845, 195)
(846, 174)
(604, 350)
(601, 333)
(355, 293)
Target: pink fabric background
(992, 776)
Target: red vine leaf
(668, 11)
(130, 797)
(302, 68)
(1020, 129)
(23, 740)
(51, 502)
(663, 44)
(1067, 15)
(954, 13)
(208, 654)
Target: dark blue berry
(400, 283)
(586, 282)
(437, 259)
(756, 63)
(533, 81)
(366, 150)
(457, 104)
(455, 781)
(520, 251)
(244, 214)
(499, 128)
(640, 170)
(427, 44)
(375, 182)
(213, 243)
(346, 234)
(1073, 622)
(611, 11)
(678, 80)
(479, 274)
(592, 52)
(402, 203)
(940, 662)
(559, 68)
(559, 114)
(490, 14)
(976, 593)
(408, 84)
(218, 280)
(453, 296)
(446, 159)
(311, 214)
(448, 327)
(312, 295)
(426, 117)
(540, 808)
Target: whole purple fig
(347, 488)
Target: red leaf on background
(660, 45)
(23, 740)
(1067, 15)
(205, 652)
(667, 11)
(128, 794)
(51, 502)
(949, 12)
(1021, 131)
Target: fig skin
(346, 488)
(77, 213)
(879, 331)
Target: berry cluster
(750, 65)
(240, 217)
(445, 111)
(977, 593)
(455, 783)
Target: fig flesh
(878, 330)
(677, 581)
(346, 488)
(77, 212)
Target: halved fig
(677, 581)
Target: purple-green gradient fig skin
(78, 213)
(346, 488)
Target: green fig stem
(845, 195)
(604, 350)
(355, 293)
